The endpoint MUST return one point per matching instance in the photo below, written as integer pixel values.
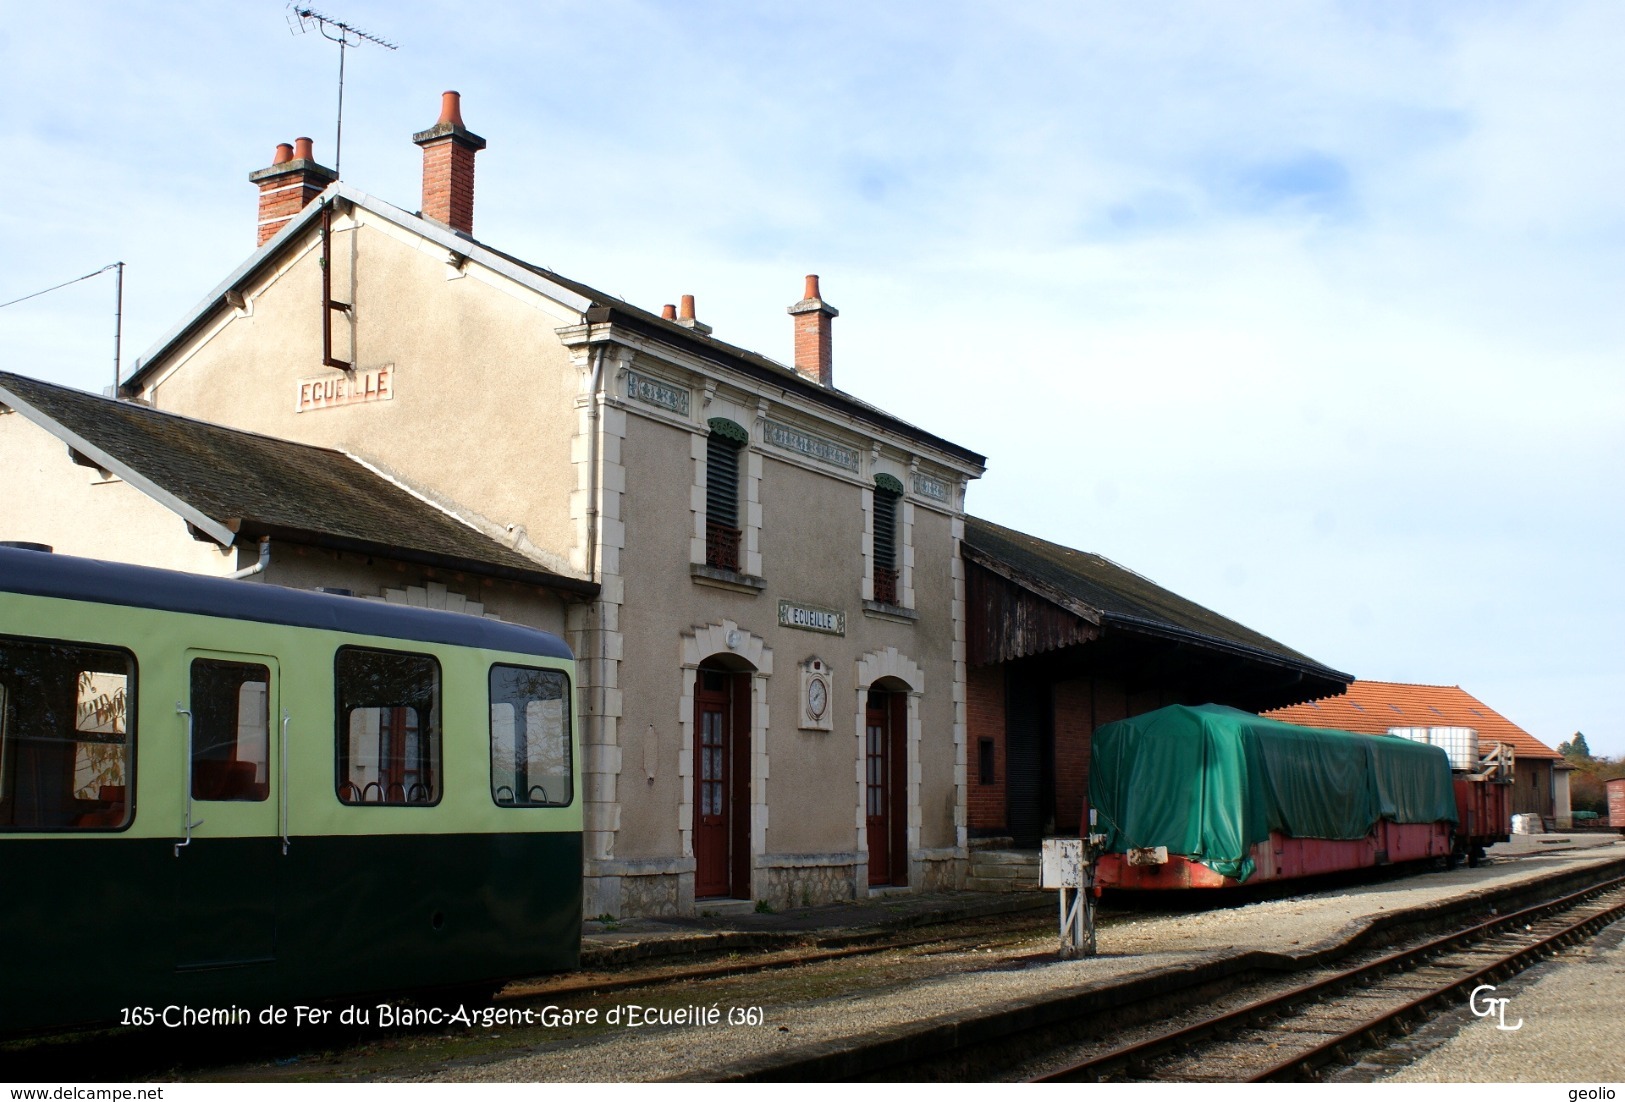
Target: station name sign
(793, 614)
(349, 389)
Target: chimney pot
(685, 317)
(288, 186)
(669, 312)
(814, 352)
(451, 108)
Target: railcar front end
(224, 794)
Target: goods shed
(1060, 641)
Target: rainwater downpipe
(592, 461)
(259, 567)
(601, 659)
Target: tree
(1575, 749)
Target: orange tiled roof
(1371, 707)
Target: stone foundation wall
(808, 887)
(631, 889)
(650, 896)
(659, 888)
(788, 880)
(939, 870)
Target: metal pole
(338, 137)
(118, 322)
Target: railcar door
(234, 813)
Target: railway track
(125, 1053)
(994, 932)
(1292, 1035)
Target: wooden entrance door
(1029, 760)
(885, 772)
(721, 784)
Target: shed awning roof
(1113, 598)
(236, 486)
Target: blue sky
(1309, 312)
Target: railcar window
(388, 727)
(530, 737)
(66, 736)
(231, 721)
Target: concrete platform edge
(676, 942)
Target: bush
(1588, 784)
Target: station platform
(617, 942)
(850, 922)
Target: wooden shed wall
(1007, 622)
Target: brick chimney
(288, 186)
(813, 355)
(448, 167)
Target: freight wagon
(1213, 797)
(1616, 804)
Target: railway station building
(757, 570)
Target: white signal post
(1068, 867)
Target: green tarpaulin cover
(1209, 782)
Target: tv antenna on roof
(301, 19)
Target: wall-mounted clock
(817, 697)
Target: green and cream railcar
(221, 793)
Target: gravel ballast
(1294, 926)
(1569, 1009)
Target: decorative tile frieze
(926, 486)
(657, 392)
(790, 439)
